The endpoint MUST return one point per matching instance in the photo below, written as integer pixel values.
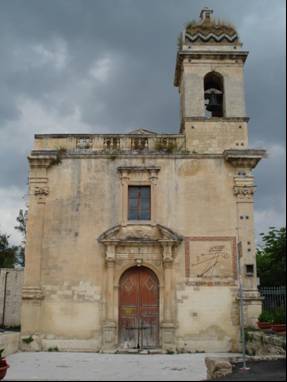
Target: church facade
(133, 239)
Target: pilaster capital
(153, 175)
(167, 254)
(32, 293)
(41, 161)
(41, 192)
(244, 192)
(110, 254)
(124, 177)
(244, 188)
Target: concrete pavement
(56, 366)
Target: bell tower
(209, 76)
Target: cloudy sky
(72, 66)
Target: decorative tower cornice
(248, 158)
(41, 161)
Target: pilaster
(244, 189)
(32, 294)
(109, 328)
(168, 325)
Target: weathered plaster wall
(9, 341)
(12, 307)
(214, 137)
(208, 318)
(85, 200)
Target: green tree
(21, 227)
(8, 252)
(271, 258)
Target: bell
(213, 104)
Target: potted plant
(279, 322)
(265, 320)
(3, 365)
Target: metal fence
(274, 297)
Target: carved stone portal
(142, 245)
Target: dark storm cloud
(108, 65)
(144, 34)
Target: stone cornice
(126, 154)
(216, 119)
(128, 169)
(247, 158)
(42, 160)
(113, 135)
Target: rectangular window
(139, 203)
(249, 269)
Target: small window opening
(249, 269)
(139, 206)
(213, 95)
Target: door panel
(139, 309)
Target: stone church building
(133, 238)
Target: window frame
(139, 198)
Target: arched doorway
(139, 309)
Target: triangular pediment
(142, 132)
(139, 233)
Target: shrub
(279, 316)
(60, 152)
(265, 316)
(53, 349)
(167, 147)
(27, 340)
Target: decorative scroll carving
(41, 192)
(244, 192)
(139, 262)
(244, 188)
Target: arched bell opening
(213, 95)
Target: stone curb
(260, 358)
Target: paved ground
(259, 371)
(106, 367)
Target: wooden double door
(139, 309)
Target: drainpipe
(4, 300)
